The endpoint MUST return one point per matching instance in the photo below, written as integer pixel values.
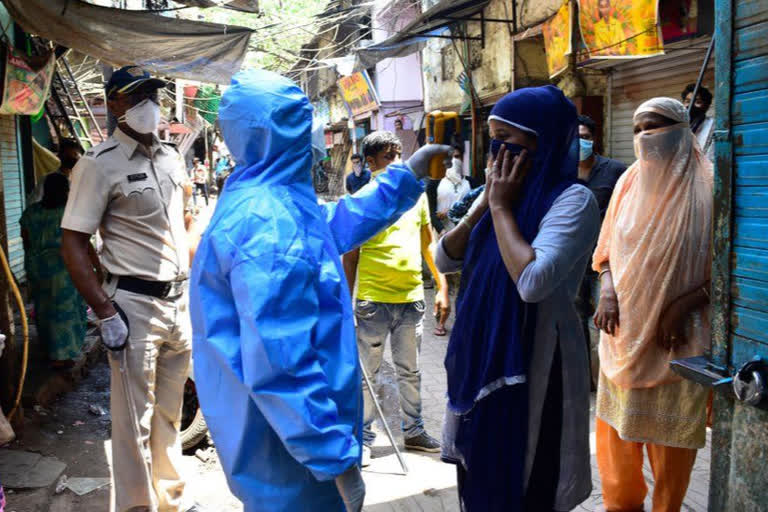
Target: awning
(530, 14)
(193, 50)
(237, 5)
(411, 38)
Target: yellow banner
(358, 93)
(618, 29)
(557, 40)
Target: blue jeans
(404, 324)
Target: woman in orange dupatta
(653, 256)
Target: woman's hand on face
(505, 179)
(607, 315)
(671, 334)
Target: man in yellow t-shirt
(390, 300)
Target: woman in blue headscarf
(517, 422)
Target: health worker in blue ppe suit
(274, 344)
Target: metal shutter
(643, 79)
(749, 238)
(13, 190)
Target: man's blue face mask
(586, 149)
(513, 149)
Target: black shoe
(423, 443)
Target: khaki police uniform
(134, 197)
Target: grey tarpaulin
(237, 5)
(411, 38)
(371, 55)
(195, 50)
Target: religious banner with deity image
(557, 40)
(620, 29)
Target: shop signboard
(557, 40)
(620, 29)
(27, 83)
(358, 93)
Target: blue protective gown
(275, 353)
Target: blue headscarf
(494, 327)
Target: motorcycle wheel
(193, 426)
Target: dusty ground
(84, 445)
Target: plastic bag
(6, 431)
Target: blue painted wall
(740, 268)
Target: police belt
(171, 290)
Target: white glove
(114, 331)
(419, 161)
(352, 489)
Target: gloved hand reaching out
(114, 330)
(352, 489)
(419, 161)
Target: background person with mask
(130, 189)
(274, 334)
(600, 174)
(702, 125)
(360, 175)
(452, 188)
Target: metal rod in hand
(383, 419)
(703, 70)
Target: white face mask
(454, 173)
(143, 118)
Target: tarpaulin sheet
(237, 5)
(412, 38)
(194, 50)
(371, 55)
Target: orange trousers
(621, 470)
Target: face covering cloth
(144, 117)
(454, 173)
(586, 148)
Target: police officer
(131, 189)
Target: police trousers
(146, 457)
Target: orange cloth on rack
(621, 471)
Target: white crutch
(383, 419)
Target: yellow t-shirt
(389, 268)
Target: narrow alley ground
(431, 485)
(70, 432)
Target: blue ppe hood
(274, 345)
